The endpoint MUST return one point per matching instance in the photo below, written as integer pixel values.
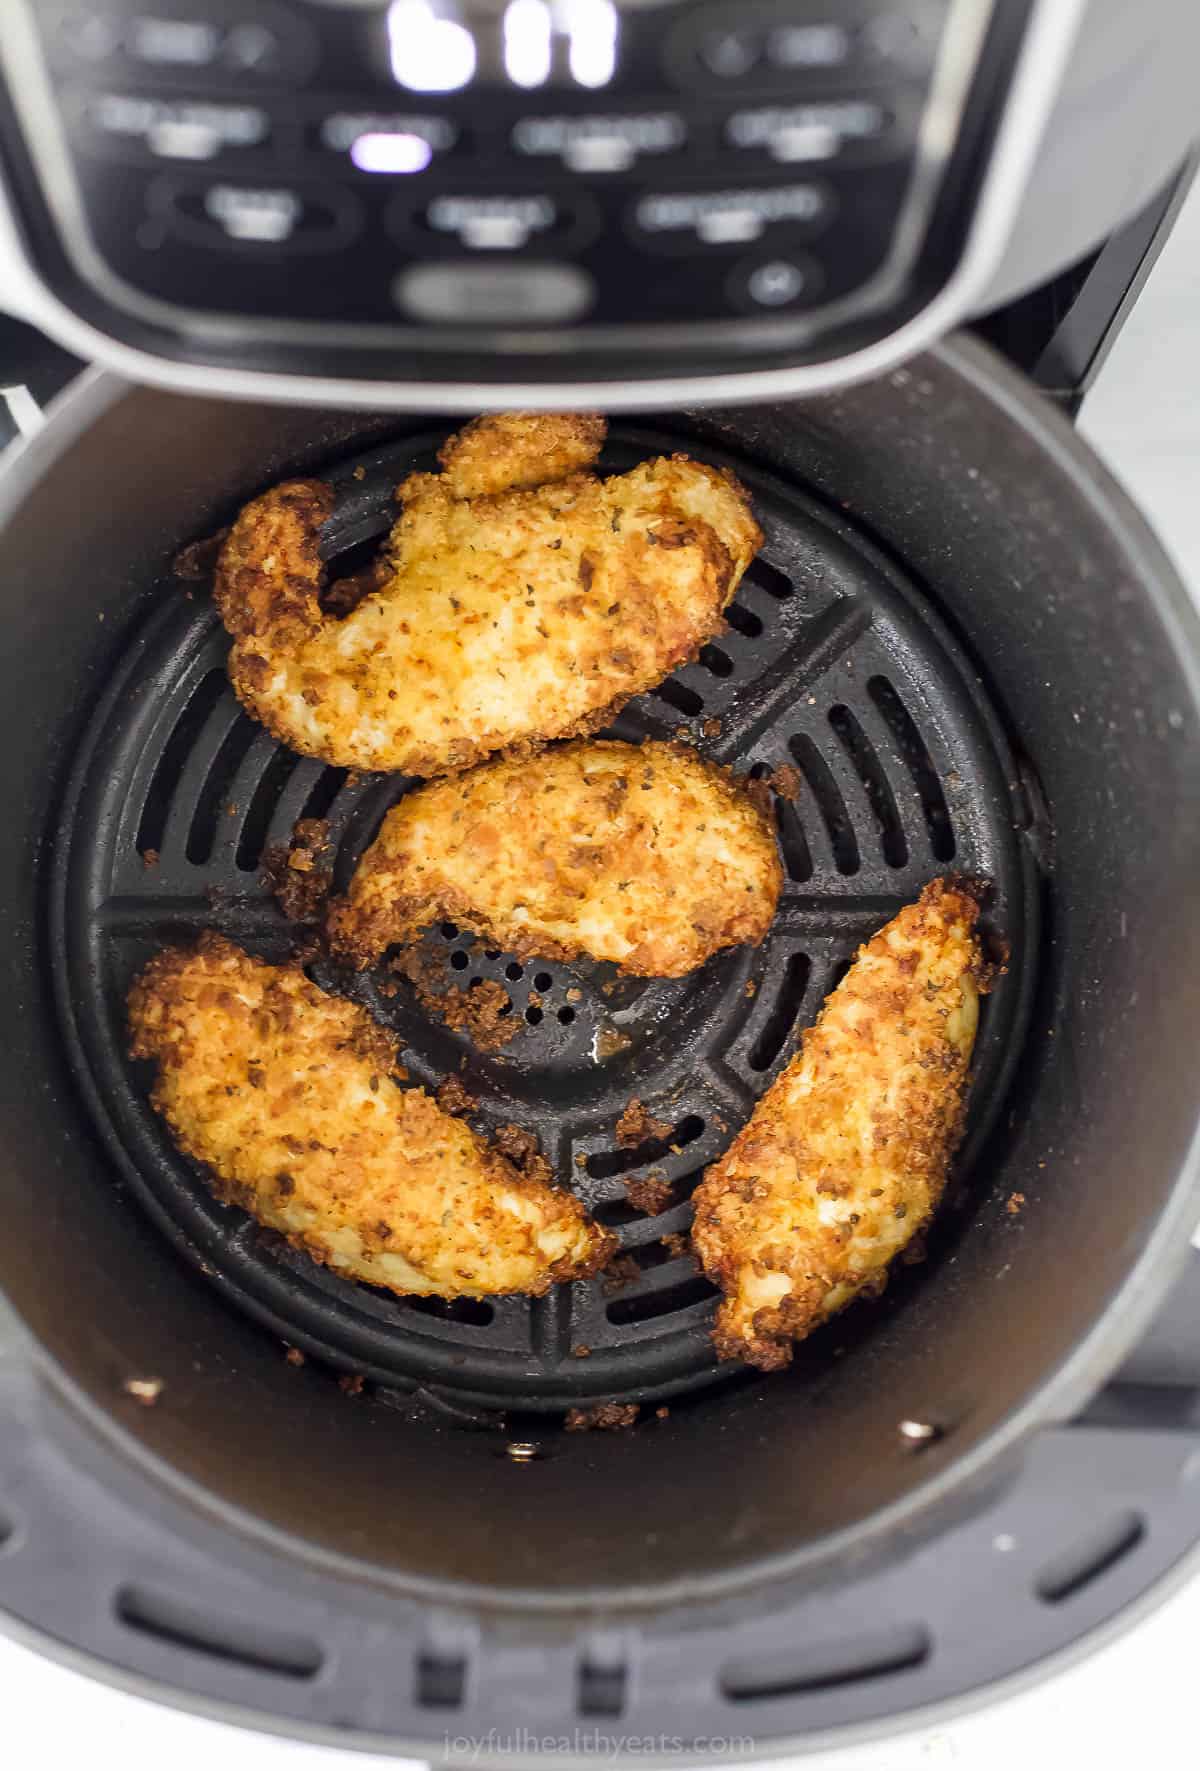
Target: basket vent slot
(824, 1666)
(770, 579)
(474, 1311)
(680, 697)
(214, 795)
(877, 787)
(743, 621)
(602, 1165)
(183, 1625)
(176, 751)
(265, 798)
(793, 843)
(827, 794)
(1089, 1557)
(919, 763)
(782, 1018)
(649, 1305)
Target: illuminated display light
(379, 152)
(591, 28)
(528, 42)
(428, 53)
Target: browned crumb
(300, 876)
(637, 1126)
(1015, 1202)
(581, 1352)
(787, 782)
(662, 1413)
(605, 1417)
(150, 858)
(198, 559)
(452, 1097)
(621, 1271)
(351, 1385)
(482, 1011)
(145, 1390)
(524, 1152)
(573, 994)
(360, 472)
(294, 1356)
(711, 728)
(677, 1243)
(751, 987)
(649, 1193)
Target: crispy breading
(846, 1155)
(500, 618)
(645, 855)
(289, 1096)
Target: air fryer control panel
(489, 190)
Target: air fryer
(236, 1482)
(238, 1479)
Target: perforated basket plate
(831, 664)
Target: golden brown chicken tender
(520, 599)
(289, 1096)
(846, 1155)
(645, 855)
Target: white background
(1131, 1700)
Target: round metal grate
(831, 666)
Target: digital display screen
(527, 44)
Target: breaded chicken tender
(288, 1095)
(520, 598)
(846, 1155)
(645, 855)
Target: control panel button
(796, 46)
(275, 216)
(728, 217)
(455, 293)
(600, 144)
(772, 45)
(388, 142)
(491, 223)
(822, 130)
(220, 39)
(777, 284)
(176, 129)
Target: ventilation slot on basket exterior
(602, 1679)
(827, 794)
(825, 1666)
(441, 1681)
(176, 751)
(213, 802)
(877, 787)
(329, 784)
(265, 798)
(919, 764)
(782, 1018)
(648, 1305)
(1090, 1557)
(602, 1165)
(183, 1625)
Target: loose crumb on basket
(649, 1193)
(299, 876)
(524, 1152)
(198, 559)
(145, 1390)
(150, 858)
(1014, 1203)
(677, 1243)
(787, 781)
(638, 1126)
(482, 1011)
(621, 1271)
(351, 1384)
(452, 1097)
(711, 728)
(294, 1356)
(605, 1417)
(581, 1352)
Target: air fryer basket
(832, 667)
(973, 653)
